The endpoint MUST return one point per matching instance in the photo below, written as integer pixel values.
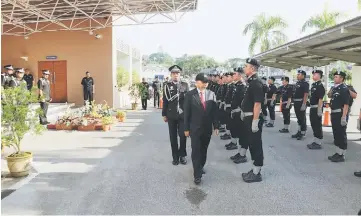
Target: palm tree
(359, 4)
(267, 32)
(322, 21)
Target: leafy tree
(195, 63)
(135, 77)
(359, 4)
(322, 21)
(266, 32)
(161, 58)
(122, 77)
(233, 63)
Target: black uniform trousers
(235, 125)
(222, 115)
(286, 114)
(301, 115)
(264, 109)
(271, 110)
(254, 140)
(43, 116)
(200, 143)
(316, 123)
(88, 95)
(156, 98)
(227, 117)
(339, 131)
(176, 128)
(144, 103)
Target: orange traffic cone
(326, 116)
(160, 103)
(281, 105)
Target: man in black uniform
(145, 94)
(7, 76)
(353, 95)
(271, 98)
(219, 94)
(340, 99)
(222, 107)
(216, 83)
(172, 112)
(253, 120)
(286, 92)
(44, 96)
(264, 104)
(300, 98)
(18, 81)
(28, 77)
(88, 88)
(237, 128)
(156, 91)
(227, 108)
(316, 109)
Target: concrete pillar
(356, 80)
(116, 95)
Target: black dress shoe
(232, 146)
(175, 162)
(269, 125)
(240, 159)
(203, 172)
(197, 181)
(226, 145)
(296, 135)
(247, 173)
(183, 160)
(337, 158)
(300, 137)
(222, 130)
(250, 177)
(314, 146)
(226, 137)
(358, 174)
(284, 130)
(234, 157)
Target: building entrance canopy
(24, 17)
(341, 42)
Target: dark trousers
(29, 87)
(44, 107)
(227, 118)
(286, 114)
(156, 98)
(88, 95)
(301, 116)
(222, 116)
(316, 123)
(271, 110)
(144, 103)
(235, 125)
(339, 131)
(176, 128)
(200, 143)
(254, 140)
(242, 135)
(264, 109)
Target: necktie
(203, 101)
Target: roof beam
(278, 65)
(304, 62)
(351, 30)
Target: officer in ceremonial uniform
(7, 76)
(88, 88)
(237, 128)
(340, 99)
(172, 112)
(222, 113)
(210, 81)
(227, 108)
(271, 98)
(29, 78)
(353, 95)
(44, 96)
(286, 92)
(219, 94)
(300, 98)
(156, 91)
(226, 102)
(253, 120)
(264, 104)
(316, 109)
(145, 93)
(216, 82)
(18, 81)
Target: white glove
(319, 111)
(220, 105)
(255, 126)
(303, 107)
(288, 105)
(242, 115)
(358, 124)
(265, 102)
(343, 121)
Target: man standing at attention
(172, 112)
(200, 119)
(29, 78)
(44, 96)
(156, 90)
(88, 88)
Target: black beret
(240, 70)
(264, 78)
(230, 74)
(252, 61)
(341, 73)
(286, 78)
(87, 72)
(235, 69)
(318, 71)
(175, 69)
(272, 78)
(302, 72)
(9, 67)
(202, 77)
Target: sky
(215, 28)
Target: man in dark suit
(200, 119)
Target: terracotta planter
(21, 165)
(86, 128)
(51, 127)
(121, 119)
(63, 127)
(98, 127)
(106, 127)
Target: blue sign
(51, 57)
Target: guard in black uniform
(340, 99)
(264, 104)
(271, 98)
(316, 109)
(219, 94)
(227, 108)
(88, 88)
(253, 120)
(286, 92)
(237, 128)
(44, 96)
(18, 81)
(223, 114)
(173, 101)
(28, 77)
(156, 91)
(353, 95)
(7, 76)
(145, 94)
(300, 98)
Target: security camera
(98, 36)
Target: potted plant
(86, 124)
(18, 119)
(106, 122)
(135, 91)
(121, 115)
